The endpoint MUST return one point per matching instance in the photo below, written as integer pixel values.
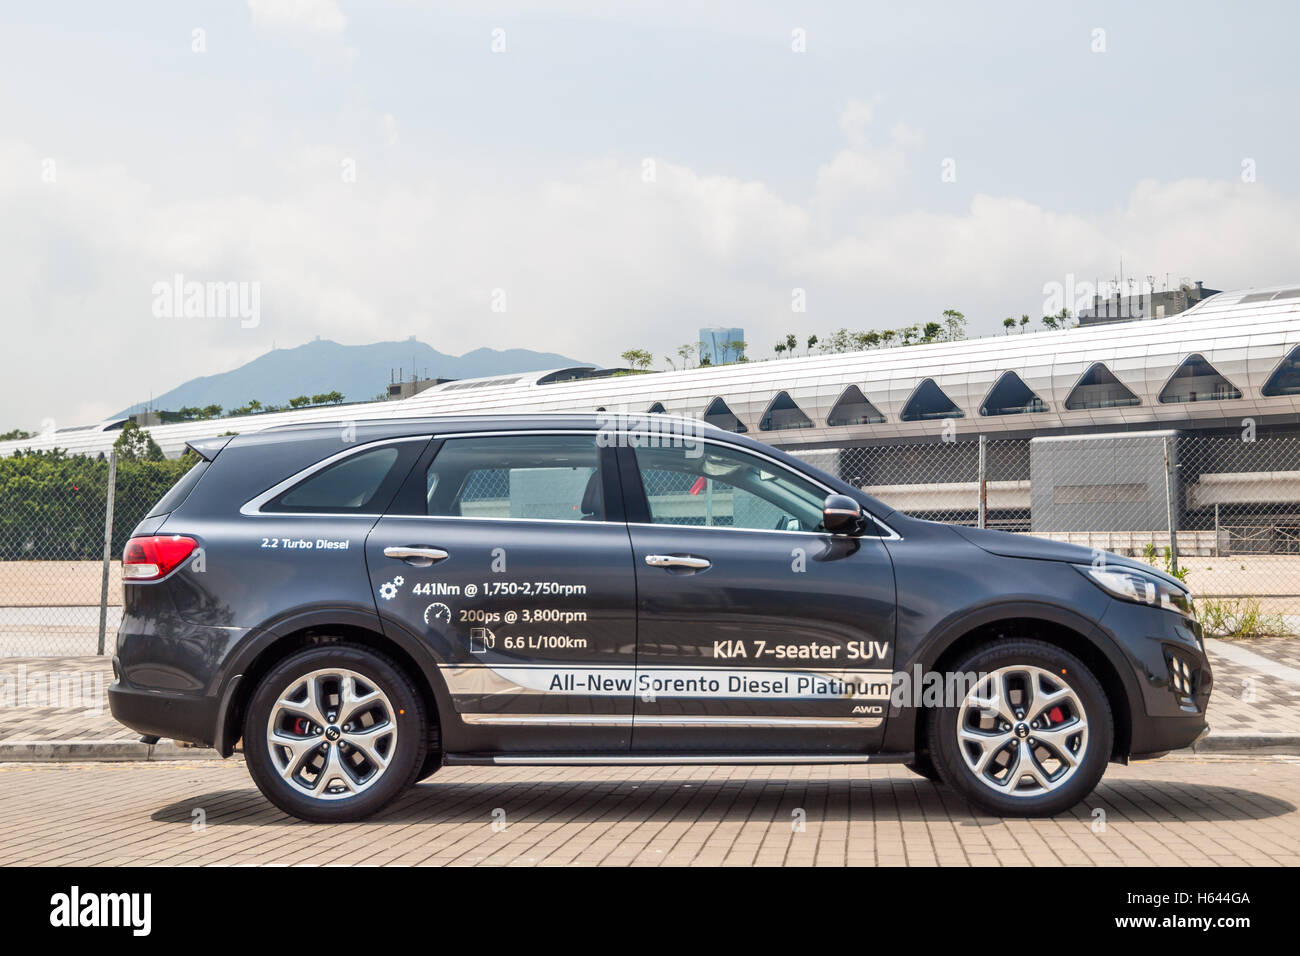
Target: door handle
(418, 557)
(677, 561)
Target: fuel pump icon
(481, 640)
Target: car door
(507, 556)
(756, 631)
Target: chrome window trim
(252, 507)
(889, 535)
(256, 503)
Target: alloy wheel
(1022, 730)
(331, 734)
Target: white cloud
(317, 16)
(593, 262)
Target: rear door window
(538, 477)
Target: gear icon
(399, 580)
(388, 590)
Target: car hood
(1008, 545)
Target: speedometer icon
(437, 612)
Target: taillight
(155, 556)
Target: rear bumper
(178, 716)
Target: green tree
(637, 359)
(954, 324)
(684, 352)
(15, 435)
(1024, 321)
(299, 401)
(779, 348)
(136, 444)
(812, 341)
(838, 343)
(888, 337)
(931, 331)
(791, 343)
(1008, 323)
(738, 346)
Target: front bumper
(1157, 736)
(1167, 655)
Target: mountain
(360, 372)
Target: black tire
(432, 764)
(406, 759)
(946, 752)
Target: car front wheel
(334, 733)
(1030, 734)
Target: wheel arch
(1052, 625)
(315, 629)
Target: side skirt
(624, 759)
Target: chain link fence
(1221, 512)
(60, 578)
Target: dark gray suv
(363, 603)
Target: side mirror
(842, 515)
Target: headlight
(1141, 587)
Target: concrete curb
(121, 751)
(1262, 745)
(97, 751)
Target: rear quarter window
(360, 483)
(179, 491)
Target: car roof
(448, 424)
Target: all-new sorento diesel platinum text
(363, 603)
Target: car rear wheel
(334, 733)
(1031, 733)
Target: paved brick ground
(57, 698)
(1246, 700)
(1181, 810)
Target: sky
(587, 178)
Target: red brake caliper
(1055, 715)
(300, 725)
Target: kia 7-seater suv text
(362, 603)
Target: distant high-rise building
(719, 346)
